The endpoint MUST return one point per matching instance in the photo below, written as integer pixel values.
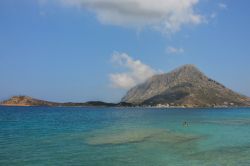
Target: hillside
(29, 101)
(185, 86)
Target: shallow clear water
(124, 136)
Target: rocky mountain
(29, 101)
(186, 86)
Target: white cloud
(136, 73)
(213, 15)
(167, 16)
(174, 50)
(222, 6)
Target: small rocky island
(185, 87)
(29, 101)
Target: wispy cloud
(213, 15)
(136, 73)
(174, 50)
(167, 16)
(222, 6)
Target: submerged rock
(140, 135)
(122, 137)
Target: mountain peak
(21, 97)
(26, 101)
(186, 85)
(189, 68)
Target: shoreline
(133, 107)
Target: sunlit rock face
(27, 101)
(186, 86)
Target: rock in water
(27, 101)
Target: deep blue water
(124, 136)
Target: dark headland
(186, 86)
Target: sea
(82, 136)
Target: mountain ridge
(29, 101)
(185, 86)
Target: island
(185, 87)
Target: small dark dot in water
(185, 124)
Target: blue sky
(63, 51)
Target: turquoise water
(124, 136)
